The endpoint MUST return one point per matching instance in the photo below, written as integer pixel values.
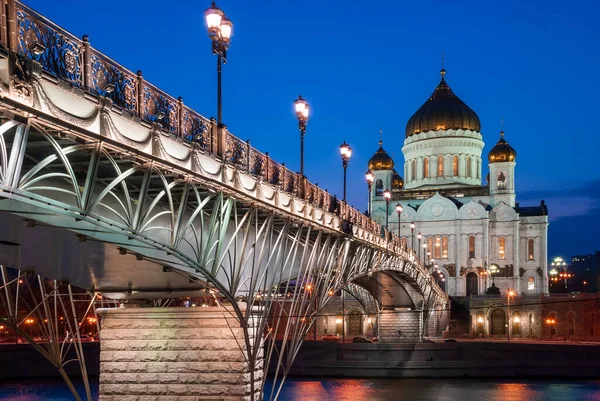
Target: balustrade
(75, 61)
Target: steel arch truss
(277, 271)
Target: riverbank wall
(476, 359)
(448, 360)
(21, 361)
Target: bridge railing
(74, 60)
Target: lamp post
(399, 211)
(412, 233)
(584, 284)
(370, 178)
(387, 195)
(511, 293)
(493, 271)
(219, 31)
(302, 109)
(419, 236)
(424, 251)
(346, 152)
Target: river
(310, 389)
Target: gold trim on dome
(502, 152)
(443, 111)
(381, 160)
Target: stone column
(486, 242)
(458, 258)
(516, 254)
(462, 166)
(174, 354)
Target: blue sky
(366, 66)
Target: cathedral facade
(469, 234)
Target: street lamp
(399, 211)
(370, 178)
(412, 233)
(493, 270)
(346, 152)
(511, 293)
(424, 250)
(302, 109)
(387, 195)
(219, 31)
(419, 236)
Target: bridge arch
(126, 203)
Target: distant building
(586, 268)
(467, 226)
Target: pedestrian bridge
(117, 187)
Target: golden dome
(381, 160)
(502, 152)
(397, 181)
(443, 110)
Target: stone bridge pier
(175, 354)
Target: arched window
(413, 172)
(455, 166)
(379, 187)
(444, 247)
(426, 167)
(471, 247)
(531, 283)
(440, 172)
(530, 249)
(501, 247)
(501, 181)
(477, 169)
(516, 324)
(438, 246)
(430, 246)
(469, 166)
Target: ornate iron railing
(74, 60)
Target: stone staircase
(460, 317)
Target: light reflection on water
(309, 389)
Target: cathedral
(474, 238)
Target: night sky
(366, 66)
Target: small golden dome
(381, 160)
(502, 152)
(397, 181)
(442, 111)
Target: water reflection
(308, 389)
(438, 390)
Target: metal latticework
(81, 151)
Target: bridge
(109, 184)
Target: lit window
(444, 247)
(455, 166)
(531, 283)
(501, 181)
(438, 245)
(430, 245)
(471, 247)
(426, 167)
(501, 246)
(469, 166)
(530, 249)
(440, 172)
(413, 172)
(379, 187)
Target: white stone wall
(400, 326)
(439, 216)
(173, 354)
(464, 144)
